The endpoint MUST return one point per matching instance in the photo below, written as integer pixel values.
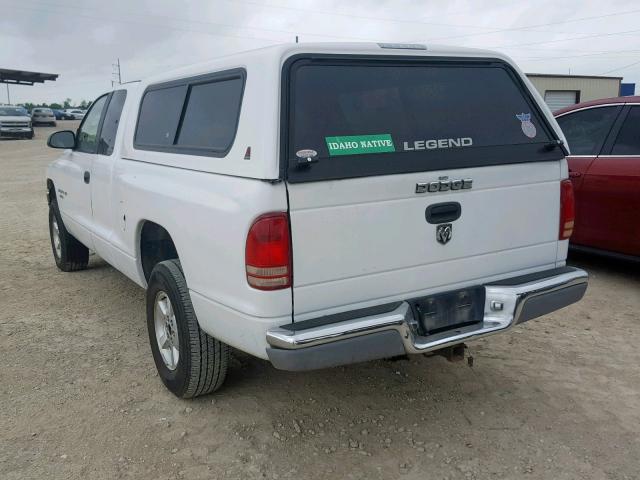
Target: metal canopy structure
(21, 77)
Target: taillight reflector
(567, 210)
(268, 252)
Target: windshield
(13, 112)
(375, 117)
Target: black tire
(72, 255)
(202, 360)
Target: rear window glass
(410, 117)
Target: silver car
(43, 116)
(15, 122)
(76, 113)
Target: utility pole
(8, 96)
(116, 73)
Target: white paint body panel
(356, 242)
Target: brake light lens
(567, 209)
(268, 252)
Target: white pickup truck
(321, 204)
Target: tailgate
(366, 241)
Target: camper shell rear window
(357, 117)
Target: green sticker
(360, 144)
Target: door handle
(443, 212)
(87, 177)
(574, 174)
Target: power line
(272, 30)
(102, 19)
(620, 68)
(185, 20)
(571, 50)
(314, 34)
(349, 15)
(526, 27)
(616, 53)
(626, 32)
(421, 22)
(204, 22)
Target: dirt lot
(557, 398)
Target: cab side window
(110, 123)
(628, 140)
(586, 130)
(87, 140)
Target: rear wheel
(190, 362)
(70, 255)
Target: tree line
(68, 103)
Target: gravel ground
(557, 398)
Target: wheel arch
(155, 244)
(51, 191)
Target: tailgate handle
(443, 212)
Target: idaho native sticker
(359, 144)
(528, 128)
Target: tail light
(567, 209)
(268, 252)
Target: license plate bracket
(448, 310)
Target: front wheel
(190, 362)
(69, 254)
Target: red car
(604, 167)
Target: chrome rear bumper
(507, 303)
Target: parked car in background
(43, 116)
(15, 122)
(62, 115)
(604, 167)
(75, 113)
(321, 204)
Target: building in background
(627, 89)
(560, 91)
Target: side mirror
(63, 139)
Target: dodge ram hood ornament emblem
(444, 231)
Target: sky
(81, 39)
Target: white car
(77, 114)
(15, 122)
(321, 204)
